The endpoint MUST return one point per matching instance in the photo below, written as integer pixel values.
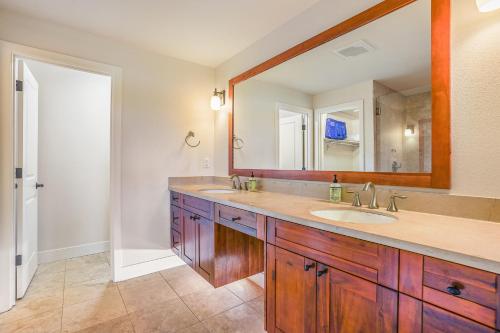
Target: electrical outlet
(205, 164)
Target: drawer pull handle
(194, 218)
(234, 219)
(322, 272)
(454, 290)
(175, 218)
(308, 266)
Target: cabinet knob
(234, 219)
(308, 266)
(454, 290)
(322, 272)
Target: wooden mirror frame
(440, 177)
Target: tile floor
(77, 295)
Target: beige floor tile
(166, 317)
(205, 304)
(174, 273)
(118, 325)
(142, 281)
(51, 267)
(241, 319)
(86, 261)
(257, 305)
(98, 271)
(78, 293)
(146, 294)
(47, 322)
(189, 284)
(198, 328)
(259, 279)
(46, 281)
(31, 306)
(93, 312)
(245, 289)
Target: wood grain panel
(411, 271)
(440, 60)
(436, 320)
(409, 314)
(198, 206)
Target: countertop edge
(455, 257)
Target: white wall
(255, 122)
(73, 158)
(475, 77)
(163, 98)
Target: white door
(27, 159)
(291, 143)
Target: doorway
(62, 158)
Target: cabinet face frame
(440, 177)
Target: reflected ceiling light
(410, 130)
(218, 99)
(487, 5)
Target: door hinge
(19, 260)
(19, 85)
(19, 173)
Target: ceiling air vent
(353, 50)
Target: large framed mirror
(367, 100)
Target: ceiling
(207, 32)
(401, 57)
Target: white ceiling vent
(353, 50)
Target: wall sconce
(410, 130)
(218, 99)
(487, 5)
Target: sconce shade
(487, 5)
(218, 99)
(215, 103)
(409, 130)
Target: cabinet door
(204, 248)
(291, 292)
(189, 237)
(176, 242)
(347, 303)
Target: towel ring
(238, 143)
(191, 135)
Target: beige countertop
(469, 242)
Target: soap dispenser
(252, 183)
(335, 190)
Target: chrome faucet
(373, 202)
(235, 178)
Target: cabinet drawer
(199, 206)
(368, 260)
(238, 216)
(468, 283)
(175, 218)
(175, 199)
(436, 320)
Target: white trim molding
(8, 53)
(72, 252)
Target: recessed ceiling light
(354, 49)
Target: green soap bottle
(252, 183)
(335, 190)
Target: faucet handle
(392, 202)
(356, 200)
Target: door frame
(9, 52)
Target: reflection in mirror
(361, 102)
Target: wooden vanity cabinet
(307, 296)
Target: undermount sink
(354, 216)
(218, 191)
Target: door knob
(37, 185)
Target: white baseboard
(152, 266)
(72, 252)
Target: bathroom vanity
(327, 276)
